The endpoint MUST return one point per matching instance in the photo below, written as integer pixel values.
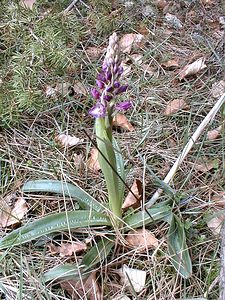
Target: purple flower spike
(95, 93)
(104, 67)
(107, 97)
(124, 105)
(116, 84)
(121, 89)
(100, 84)
(101, 77)
(98, 111)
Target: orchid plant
(108, 89)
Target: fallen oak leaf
(67, 249)
(10, 216)
(131, 200)
(218, 88)
(27, 3)
(79, 88)
(219, 199)
(215, 223)
(130, 40)
(192, 69)
(174, 106)
(92, 162)
(121, 121)
(214, 134)
(68, 140)
(171, 64)
(141, 239)
(83, 289)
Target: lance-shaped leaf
(65, 272)
(178, 249)
(53, 223)
(158, 212)
(59, 187)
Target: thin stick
(70, 6)
(210, 116)
(222, 263)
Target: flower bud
(121, 89)
(100, 84)
(123, 105)
(107, 97)
(95, 94)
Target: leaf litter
(133, 199)
(193, 68)
(120, 120)
(67, 249)
(67, 140)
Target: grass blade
(54, 186)
(53, 223)
(178, 249)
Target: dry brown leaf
(50, 91)
(218, 88)
(12, 215)
(131, 200)
(27, 3)
(137, 58)
(141, 239)
(161, 4)
(64, 88)
(215, 223)
(92, 162)
(174, 106)
(79, 88)
(66, 140)
(85, 289)
(148, 70)
(94, 52)
(121, 121)
(67, 249)
(192, 69)
(219, 199)
(171, 64)
(214, 134)
(130, 40)
(206, 165)
(126, 69)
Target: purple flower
(109, 89)
(95, 93)
(121, 89)
(108, 75)
(101, 77)
(123, 105)
(98, 111)
(116, 84)
(104, 67)
(108, 97)
(100, 84)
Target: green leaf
(120, 170)
(53, 223)
(55, 186)
(98, 253)
(178, 249)
(67, 271)
(155, 213)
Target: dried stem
(210, 116)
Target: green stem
(105, 146)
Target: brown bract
(121, 121)
(141, 239)
(193, 69)
(133, 198)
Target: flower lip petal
(95, 94)
(124, 105)
(98, 111)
